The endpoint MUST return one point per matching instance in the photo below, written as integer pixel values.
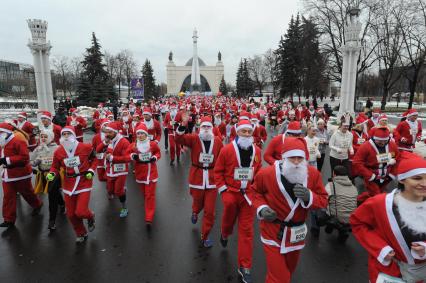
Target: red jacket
(154, 133)
(126, 128)
(145, 173)
(268, 191)
(170, 123)
(226, 164)
(83, 158)
(79, 123)
(200, 178)
(18, 160)
(358, 140)
(100, 157)
(366, 164)
(28, 128)
(274, 150)
(376, 229)
(403, 130)
(120, 163)
(260, 136)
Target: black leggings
(320, 161)
(55, 198)
(334, 162)
(166, 138)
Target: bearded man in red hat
(235, 168)
(283, 194)
(409, 131)
(47, 125)
(16, 175)
(153, 126)
(171, 122)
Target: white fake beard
(217, 122)
(3, 138)
(206, 135)
(143, 146)
(68, 143)
(295, 174)
(245, 142)
(149, 124)
(413, 214)
(125, 119)
(102, 136)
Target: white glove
(392, 161)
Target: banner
(137, 88)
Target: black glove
(302, 192)
(135, 157)
(268, 214)
(153, 159)
(35, 171)
(3, 161)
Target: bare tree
(61, 67)
(111, 64)
(271, 65)
(130, 69)
(258, 71)
(75, 69)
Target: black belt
(202, 167)
(284, 224)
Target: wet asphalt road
(122, 250)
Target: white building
(185, 78)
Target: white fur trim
(311, 200)
(244, 126)
(206, 124)
(411, 173)
(5, 130)
(293, 131)
(111, 129)
(380, 139)
(222, 189)
(412, 114)
(67, 130)
(372, 177)
(146, 113)
(142, 131)
(383, 253)
(46, 117)
(259, 209)
(293, 153)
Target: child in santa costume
(28, 128)
(145, 153)
(78, 122)
(100, 157)
(408, 131)
(117, 164)
(41, 161)
(77, 160)
(153, 126)
(205, 149)
(283, 194)
(16, 175)
(392, 227)
(234, 171)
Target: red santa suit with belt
(234, 188)
(153, 126)
(117, 167)
(78, 122)
(28, 128)
(17, 173)
(201, 175)
(375, 226)
(171, 121)
(408, 132)
(100, 157)
(374, 120)
(56, 129)
(244, 115)
(282, 253)
(146, 169)
(76, 161)
(259, 134)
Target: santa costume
(171, 122)
(259, 134)
(16, 175)
(46, 124)
(78, 122)
(145, 154)
(282, 208)
(28, 128)
(100, 157)
(408, 131)
(153, 126)
(126, 124)
(205, 149)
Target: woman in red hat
(392, 227)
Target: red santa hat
(104, 122)
(69, 129)
(383, 117)
(360, 120)
(412, 112)
(147, 111)
(6, 128)
(206, 121)
(294, 147)
(73, 110)
(294, 128)
(410, 165)
(376, 110)
(109, 114)
(136, 114)
(381, 134)
(113, 126)
(244, 124)
(291, 112)
(142, 128)
(22, 115)
(244, 115)
(254, 117)
(46, 115)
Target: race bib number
(206, 158)
(298, 233)
(361, 141)
(100, 155)
(151, 137)
(384, 157)
(120, 167)
(47, 161)
(72, 162)
(274, 117)
(146, 156)
(243, 174)
(384, 278)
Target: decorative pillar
(350, 52)
(195, 75)
(40, 50)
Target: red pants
(371, 189)
(174, 147)
(204, 199)
(78, 209)
(280, 266)
(25, 188)
(101, 174)
(117, 185)
(235, 205)
(148, 191)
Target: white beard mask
(68, 143)
(206, 135)
(3, 138)
(413, 214)
(295, 174)
(217, 121)
(245, 142)
(125, 118)
(143, 146)
(149, 124)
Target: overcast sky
(150, 29)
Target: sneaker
(91, 224)
(223, 241)
(52, 225)
(36, 211)
(194, 218)
(245, 275)
(7, 224)
(207, 243)
(172, 162)
(148, 225)
(124, 212)
(81, 239)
